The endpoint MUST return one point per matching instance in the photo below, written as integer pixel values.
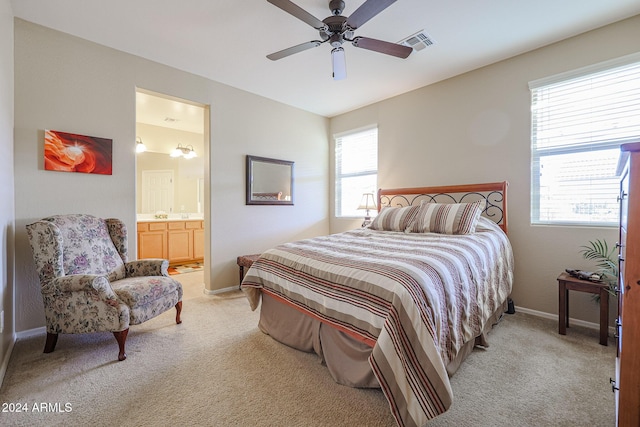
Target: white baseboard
(31, 333)
(5, 359)
(573, 321)
(220, 291)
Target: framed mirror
(269, 181)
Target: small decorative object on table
(584, 275)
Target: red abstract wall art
(68, 152)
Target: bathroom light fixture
(187, 152)
(140, 147)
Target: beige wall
(6, 181)
(476, 128)
(69, 84)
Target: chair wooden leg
(121, 337)
(178, 311)
(52, 340)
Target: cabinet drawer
(176, 225)
(151, 226)
(157, 226)
(193, 225)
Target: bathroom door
(157, 191)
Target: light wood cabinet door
(152, 244)
(198, 244)
(180, 244)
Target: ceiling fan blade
(339, 64)
(366, 11)
(392, 49)
(293, 49)
(299, 13)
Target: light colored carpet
(218, 369)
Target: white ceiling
(228, 40)
(167, 112)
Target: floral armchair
(87, 284)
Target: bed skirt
(345, 357)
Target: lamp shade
(368, 201)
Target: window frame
(339, 176)
(539, 153)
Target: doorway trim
(206, 203)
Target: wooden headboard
(494, 193)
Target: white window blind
(356, 155)
(578, 124)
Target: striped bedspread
(415, 298)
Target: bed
(399, 304)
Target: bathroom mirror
(172, 185)
(269, 181)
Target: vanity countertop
(171, 218)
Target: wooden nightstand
(568, 283)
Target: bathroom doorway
(171, 175)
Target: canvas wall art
(69, 152)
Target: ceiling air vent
(418, 41)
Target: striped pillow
(448, 218)
(393, 218)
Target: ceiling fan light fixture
(336, 40)
(337, 28)
(339, 63)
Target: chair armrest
(147, 267)
(84, 282)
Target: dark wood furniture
(245, 261)
(627, 382)
(568, 283)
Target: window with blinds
(578, 122)
(356, 170)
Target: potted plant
(598, 251)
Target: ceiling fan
(337, 29)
